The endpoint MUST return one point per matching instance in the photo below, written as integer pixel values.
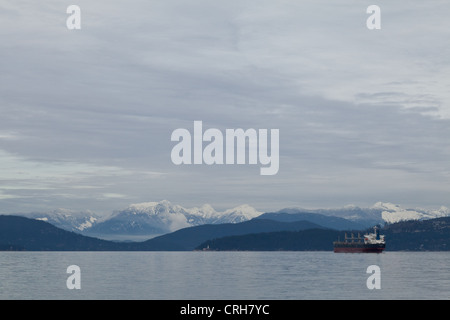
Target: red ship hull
(357, 250)
(355, 247)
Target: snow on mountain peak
(87, 224)
(205, 211)
(386, 206)
(394, 213)
(148, 207)
(245, 210)
(67, 219)
(167, 216)
(444, 211)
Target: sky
(86, 115)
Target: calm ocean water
(224, 275)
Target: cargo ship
(371, 243)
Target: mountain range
(20, 233)
(142, 220)
(150, 219)
(147, 220)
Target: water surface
(224, 275)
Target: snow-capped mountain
(235, 215)
(379, 213)
(66, 219)
(148, 219)
(156, 218)
(394, 213)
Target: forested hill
(20, 233)
(422, 235)
(426, 235)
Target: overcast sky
(86, 115)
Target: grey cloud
(361, 115)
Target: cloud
(40, 181)
(87, 114)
